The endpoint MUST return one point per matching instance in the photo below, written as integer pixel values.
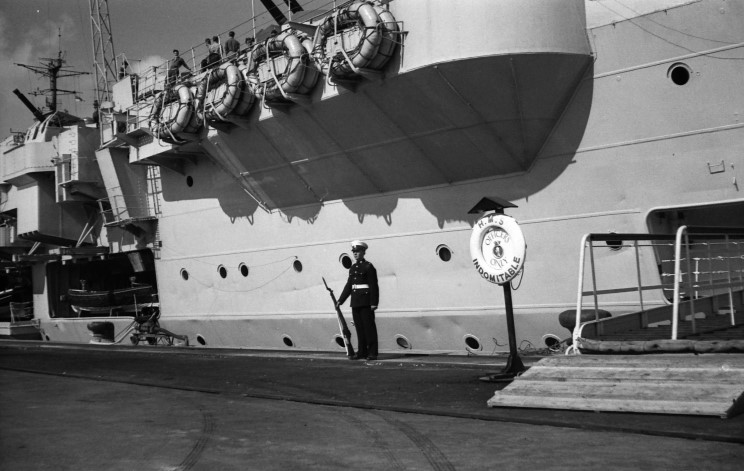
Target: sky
(146, 31)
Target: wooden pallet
(682, 384)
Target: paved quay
(97, 407)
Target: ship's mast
(104, 57)
(52, 67)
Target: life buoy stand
(497, 248)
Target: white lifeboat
(365, 34)
(219, 93)
(169, 117)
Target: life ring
(312, 71)
(220, 89)
(389, 41)
(497, 248)
(250, 87)
(169, 118)
(291, 78)
(365, 53)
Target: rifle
(341, 323)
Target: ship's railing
(151, 80)
(694, 263)
(121, 208)
(712, 261)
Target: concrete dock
(91, 407)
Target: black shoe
(355, 357)
(372, 358)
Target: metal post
(514, 366)
(690, 282)
(580, 293)
(730, 282)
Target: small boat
(105, 301)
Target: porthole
(184, 274)
(444, 252)
(297, 266)
(403, 342)
(679, 73)
(222, 271)
(189, 181)
(472, 343)
(243, 269)
(287, 340)
(339, 341)
(552, 342)
(201, 339)
(345, 261)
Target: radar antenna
(54, 68)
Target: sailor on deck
(174, 68)
(365, 294)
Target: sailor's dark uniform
(364, 292)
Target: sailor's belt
(359, 286)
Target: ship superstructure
(234, 190)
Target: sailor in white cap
(365, 294)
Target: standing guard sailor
(365, 294)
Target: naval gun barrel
(37, 114)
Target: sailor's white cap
(359, 244)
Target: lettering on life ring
(497, 247)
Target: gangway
(666, 356)
(700, 279)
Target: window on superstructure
(243, 269)
(222, 271)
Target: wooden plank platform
(684, 384)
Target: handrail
(708, 240)
(122, 209)
(677, 278)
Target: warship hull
(586, 117)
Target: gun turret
(36, 112)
